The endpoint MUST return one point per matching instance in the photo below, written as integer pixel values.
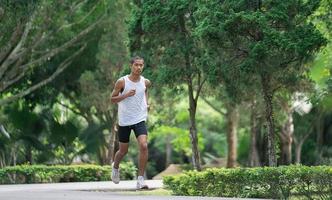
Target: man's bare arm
(147, 85)
(116, 97)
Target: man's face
(137, 66)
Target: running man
(130, 93)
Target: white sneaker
(115, 175)
(141, 183)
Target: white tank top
(133, 110)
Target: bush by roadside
(62, 173)
(266, 182)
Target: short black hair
(132, 60)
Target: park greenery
(61, 173)
(235, 83)
(286, 182)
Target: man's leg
(143, 154)
(141, 135)
(142, 160)
(124, 133)
(123, 150)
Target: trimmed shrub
(62, 173)
(264, 182)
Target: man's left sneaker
(115, 175)
(141, 183)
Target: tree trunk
(102, 155)
(320, 138)
(168, 150)
(113, 132)
(193, 129)
(2, 160)
(286, 137)
(28, 155)
(232, 122)
(298, 142)
(298, 150)
(268, 96)
(253, 154)
(14, 154)
(286, 151)
(112, 144)
(192, 99)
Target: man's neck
(134, 78)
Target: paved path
(102, 185)
(86, 191)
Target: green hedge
(266, 182)
(62, 173)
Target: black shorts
(124, 131)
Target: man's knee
(143, 146)
(123, 152)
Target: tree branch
(72, 110)
(200, 86)
(60, 69)
(13, 39)
(281, 135)
(45, 36)
(213, 106)
(63, 47)
(18, 50)
(302, 139)
(79, 21)
(22, 69)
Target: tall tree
(162, 31)
(271, 41)
(89, 91)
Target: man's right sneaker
(115, 175)
(141, 183)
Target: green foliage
(108, 61)
(263, 48)
(61, 173)
(161, 31)
(14, 12)
(38, 135)
(274, 39)
(180, 140)
(243, 145)
(75, 107)
(93, 138)
(322, 18)
(268, 182)
(173, 125)
(228, 42)
(40, 36)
